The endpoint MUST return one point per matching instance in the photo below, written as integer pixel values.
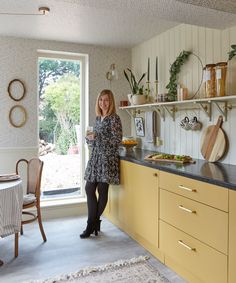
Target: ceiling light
(42, 11)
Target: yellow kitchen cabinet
(232, 236)
(194, 228)
(133, 205)
(191, 258)
(206, 193)
(144, 184)
(119, 207)
(207, 224)
(125, 199)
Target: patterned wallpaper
(18, 59)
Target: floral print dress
(103, 165)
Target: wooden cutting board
(169, 160)
(213, 142)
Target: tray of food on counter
(164, 157)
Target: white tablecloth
(11, 201)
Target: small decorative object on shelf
(221, 72)
(137, 90)
(174, 71)
(156, 81)
(210, 80)
(232, 52)
(123, 103)
(148, 78)
(182, 93)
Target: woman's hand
(91, 136)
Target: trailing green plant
(232, 52)
(174, 71)
(133, 83)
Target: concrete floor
(65, 252)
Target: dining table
(11, 201)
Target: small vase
(138, 99)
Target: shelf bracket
(132, 113)
(223, 109)
(161, 112)
(171, 111)
(206, 107)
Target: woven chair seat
(29, 198)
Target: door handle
(186, 246)
(186, 209)
(187, 189)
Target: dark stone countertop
(215, 173)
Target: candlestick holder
(148, 88)
(156, 91)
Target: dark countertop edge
(198, 177)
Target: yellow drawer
(203, 192)
(190, 258)
(203, 222)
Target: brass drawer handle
(155, 174)
(187, 189)
(186, 209)
(186, 246)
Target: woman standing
(103, 165)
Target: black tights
(96, 205)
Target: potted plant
(73, 144)
(232, 52)
(137, 95)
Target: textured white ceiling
(221, 5)
(120, 23)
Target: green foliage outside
(51, 70)
(60, 104)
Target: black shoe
(98, 223)
(90, 229)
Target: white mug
(195, 124)
(184, 123)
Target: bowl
(129, 146)
(129, 143)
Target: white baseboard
(60, 211)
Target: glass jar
(221, 70)
(210, 80)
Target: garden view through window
(59, 88)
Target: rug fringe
(88, 270)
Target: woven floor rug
(123, 271)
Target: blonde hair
(112, 106)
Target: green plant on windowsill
(174, 71)
(232, 52)
(135, 86)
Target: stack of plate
(9, 177)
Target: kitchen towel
(151, 126)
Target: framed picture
(139, 126)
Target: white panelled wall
(211, 46)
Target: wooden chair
(32, 197)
